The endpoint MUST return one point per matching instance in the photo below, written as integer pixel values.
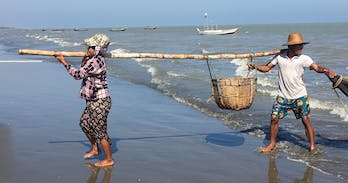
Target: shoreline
(155, 138)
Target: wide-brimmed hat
(295, 38)
(98, 40)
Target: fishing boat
(216, 31)
(116, 29)
(150, 27)
(80, 29)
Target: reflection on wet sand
(273, 172)
(95, 171)
(6, 159)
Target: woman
(94, 90)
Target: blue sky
(137, 13)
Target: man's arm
(261, 68)
(320, 69)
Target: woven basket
(234, 93)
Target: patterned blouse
(94, 84)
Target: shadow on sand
(230, 139)
(284, 135)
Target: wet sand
(155, 139)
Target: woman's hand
(84, 60)
(61, 59)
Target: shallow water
(188, 81)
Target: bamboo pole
(155, 55)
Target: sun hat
(98, 40)
(295, 38)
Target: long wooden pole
(154, 55)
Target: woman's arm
(76, 73)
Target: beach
(155, 138)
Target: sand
(155, 139)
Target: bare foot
(90, 154)
(104, 163)
(312, 149)
(267, 148)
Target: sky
(138, 13)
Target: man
(292, 93)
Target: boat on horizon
(150, 27)
(80, 29)
(216, 31)
(213, 30)
(116, 29)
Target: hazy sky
(133, 13)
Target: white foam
(175, 74)
(272, 93)
(242, 69)
(306, 163)
(59, 41)
(120, 50)
(340, 111)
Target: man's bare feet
(90, 154)
(104, 163)
(267, 148)
(312, 149)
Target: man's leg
(306, 121)
(273, 128)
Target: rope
(251, 60)
(340, 99)
(335, 85)
(338, 82)
(214, 82)
(209, 68)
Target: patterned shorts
(299, 106)
(93, 120)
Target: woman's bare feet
(104, 163)
(90, 154)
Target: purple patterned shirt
(94, 84)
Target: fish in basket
(234, 93)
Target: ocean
(188, 81)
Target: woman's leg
(108, 161)
(102, 110)
(85, 124)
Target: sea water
(189, 81)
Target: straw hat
(98, 40)
(295, 38)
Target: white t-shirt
(291, 85)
